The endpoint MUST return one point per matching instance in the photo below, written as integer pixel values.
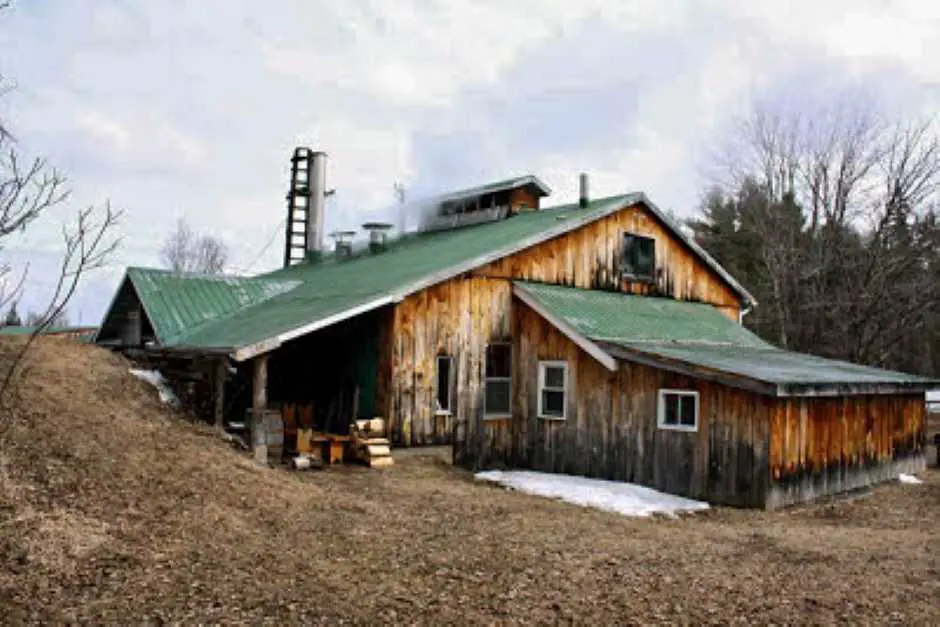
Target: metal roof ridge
(494, 186)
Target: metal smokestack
(583, 198)
(318, 196)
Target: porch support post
(258, 406)
(220, 370)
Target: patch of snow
(612, 496)
(909, 479)
(154, 378)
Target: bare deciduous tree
(184, 251)
(840, 232)
(29, 188)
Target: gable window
(553, 389)
(678, 410)
(497, 396)
(445, 385)
(639, 256)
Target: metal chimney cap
(377, 226)
(342, 235)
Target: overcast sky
(192, 108)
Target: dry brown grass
(114, 511)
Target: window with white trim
(678, 410)
(498, 381)
(553, 389)
(444, 397)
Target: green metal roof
(668, 332)
(618, 318)
(248, 315)
(778, 366)
(179, 304)
(336, 286)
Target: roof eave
(829, 390)
(266, 345)
(690, 370)
(591, 348)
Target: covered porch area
(308, 393)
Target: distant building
(81, 333)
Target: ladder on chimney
(298, 206)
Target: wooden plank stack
(370, 442)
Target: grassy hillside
(115, 510)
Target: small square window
(553, 389)
(678, 410)
(639, 257)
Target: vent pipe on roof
(317, 202)
(343, 243)
(583, 197)
(378, 235)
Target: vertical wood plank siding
(522, 200)
(589, 258)
(749, 449)
(457, 318)
(611, 428)
(820, 446)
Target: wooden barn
(594, 339)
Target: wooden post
(220, 373)
(258, 406)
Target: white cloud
(193, 110)
(107, 134)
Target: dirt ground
(112, 510)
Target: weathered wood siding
(522, 200)
(821, 446)
(456, 318)
(459, 317)
(589, 258)
(611, 426)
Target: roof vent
(378, 235)
(343, 242)
(583, 198)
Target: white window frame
(661, 410)
(543, 366)
(451, 391)
(487, 414)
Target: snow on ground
(908, 479)
(613, 496)
(154, 378)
